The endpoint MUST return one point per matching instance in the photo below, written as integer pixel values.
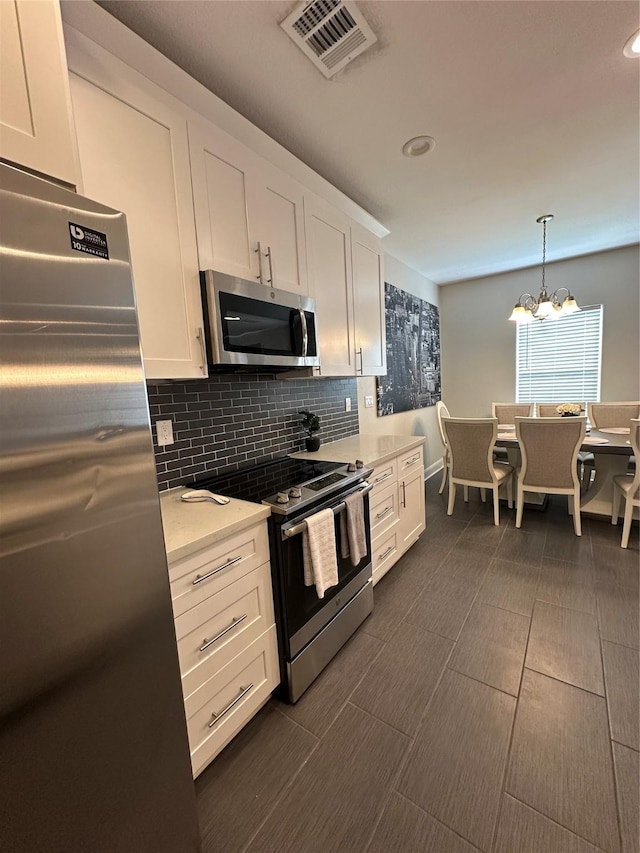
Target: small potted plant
(311, 423)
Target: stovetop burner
(262, 482)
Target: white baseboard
(433, 469)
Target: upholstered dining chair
(470, 442)
(443, 412)
(606, 415)
(549, 448)
(586, 460)
(628, 486)
(506, 413)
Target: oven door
(304, 614)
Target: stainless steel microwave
(248, 324)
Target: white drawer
(205, 573)
(384, 553)
(234, 695)
(410, 461)
(215, 631)
(383, 509)
(384, 475)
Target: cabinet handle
(412, 460)
(203, 349)
(404, 495)
(217, 717)
(384, 477)
(206, 643)
(200, 578)
(360, 370)
(389, 550)
(384, 512)
(305, 333)
(268, 254)
(259, 251)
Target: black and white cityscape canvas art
(413, 353)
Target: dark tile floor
(489, 703)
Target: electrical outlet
(164, 433)
(347, 404)
(368, 402)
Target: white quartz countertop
(372, 449)
(189, 527)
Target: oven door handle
(287, 531)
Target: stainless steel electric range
(310, 630)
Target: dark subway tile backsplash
(230, 421)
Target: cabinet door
(277, 203)
(221, 175)
(134, 157)
(329, 251)
(35, 108)
(412, 507)
(368, 300)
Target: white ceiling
(532, 104)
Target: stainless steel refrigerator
(93, 742)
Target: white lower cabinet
(227, 645)
(396, 509)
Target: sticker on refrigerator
(88, 241)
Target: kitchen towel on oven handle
(319, 551)
(353, 540)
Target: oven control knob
(295, 492)
(282, 498)
(359, 464)
(351, 466)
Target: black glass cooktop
(264, 480)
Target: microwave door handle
(305, 333)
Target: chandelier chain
(544, 251)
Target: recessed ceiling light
(418, 145)
(632, 47)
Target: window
(559, 360)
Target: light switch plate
(347, 404)
(368, 402)
(164, 433)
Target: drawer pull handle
(200, 578)
(384, 512)
(404, 494)
(206, 643)
(389, 550)
(412, 460)
(384, 477)
(217, 717)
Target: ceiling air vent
(330, 32)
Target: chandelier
(548, 306)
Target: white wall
(479, 343)
(418, 421)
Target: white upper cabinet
(35, 108)
(329, 255)
(346, 280)
(249, 215)
(279, 208)
(222, 174)
(368, 302)
(134, 156)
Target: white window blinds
(559, 360)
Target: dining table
(611, 450)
